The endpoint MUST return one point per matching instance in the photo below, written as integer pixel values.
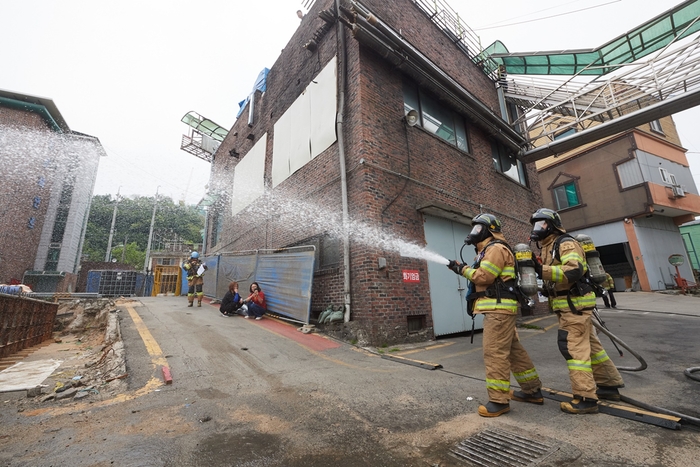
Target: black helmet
(483, 226)
(542, 230)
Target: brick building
(421, 148)
(49, 174)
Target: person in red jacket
(256, 302)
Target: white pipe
(341, 155)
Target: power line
(529, 14)
(547, 17)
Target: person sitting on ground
(256, 302)
(232, 301)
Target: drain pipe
(341, 155)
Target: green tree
(133, 223)
(132, 255)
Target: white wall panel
(323, 100)
(307, 128)
(281, 149)
(300, 150)
(249, 177)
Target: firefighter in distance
(195, 282)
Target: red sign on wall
(411, 275)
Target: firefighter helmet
(483, 226)
(544, 222)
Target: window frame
(667, 177)
(418, 100)
(655, 126)
(563, 186)
(498, 153)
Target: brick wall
(21, 169)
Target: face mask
(477, 234)
(540, 231)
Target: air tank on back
(526, 269)
(595, 266)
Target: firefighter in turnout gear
(572, 297)
(195, 269)
(493, 278)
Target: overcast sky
(127, 71)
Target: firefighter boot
(191, 303)
(199, 303)
(580, 405)
(534, 398)
(608, 393)
(493, 409)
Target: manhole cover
(497, 448)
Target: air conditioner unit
(678, 191)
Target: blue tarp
(260, 85)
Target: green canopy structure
(205, 126)
(675, 24)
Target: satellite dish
(412, 118)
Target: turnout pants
(194, 289)
(589, 364)
(504, 353)
(610, 301)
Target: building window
(37, 202)
(505, 162)
(52, 259)
(41, 182)
(435, 117)
(667, 177)
(31, 222)
(656, 126)
(566, 196)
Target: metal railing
(449, 21)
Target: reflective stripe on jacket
(497, 261)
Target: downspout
(341, 155)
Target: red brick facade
(392, 170)
(19, 188)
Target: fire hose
(600, 325)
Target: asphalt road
(261, 393)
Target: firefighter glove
(455, 266)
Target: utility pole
(150, 233)
(111, 229)
(126, 237)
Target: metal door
(448, 290)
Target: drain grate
(498, 448)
